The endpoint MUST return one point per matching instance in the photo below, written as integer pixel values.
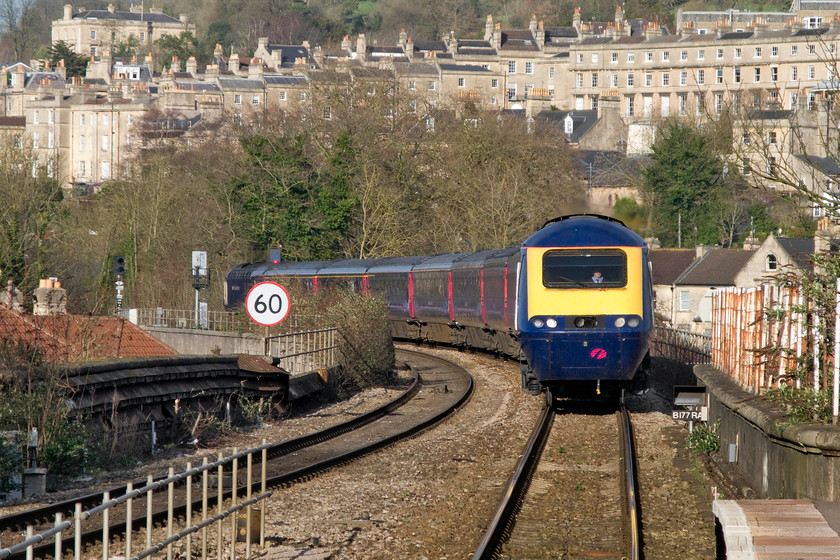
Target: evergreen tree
(75, 64)
(684, 179)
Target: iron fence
(208, 520)
(302, 352)
(682, 346)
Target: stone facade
(630, 73)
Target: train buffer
(778, 529)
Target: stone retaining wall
(779, 459)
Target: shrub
(365, 347)
(802, 404)
(704, 438)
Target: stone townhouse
(83, 138)
(96, 32)
(644, 71)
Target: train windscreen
(585, 268)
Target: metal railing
(302, 352)
(224, 321)
(207, 519)
(682, 346)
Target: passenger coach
(540, 302)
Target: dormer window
(771, 263)
(569, 125)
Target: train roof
(585, 231)
(483, 258)
(395, 264)
(347, 266)
(438, 262)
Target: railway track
(438, 389)
(568, 497)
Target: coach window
(575, 268)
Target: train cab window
(585, 268)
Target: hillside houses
(610, 81)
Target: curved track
(439, 388)
(543, 522)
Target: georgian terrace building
(96, 32)
(650, 72)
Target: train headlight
(619, 322)
(580, 322)
(551, 323)
(633, 322)
(538, 323)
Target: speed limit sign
(267, 303)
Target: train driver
(596, 277)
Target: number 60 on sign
(267, 303)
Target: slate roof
(558, 33)
(416, 68)
(596, 41)
(35, 79)
(474, 44)
(669, 264)
(240, 83)
(70, 338)
(519, 40)
(736, 35)
(718, 267)
(373, 49)
(196, 86)
(285, 80)
(582, 121)
(375, 73)
(126, 16)
(463, 68)
(475, 52)
(800, 250)
(810, 32)
(288, 54)
(826, 165)
(429, 46)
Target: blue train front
(585, 305)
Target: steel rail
(634, 529)
(501, 524)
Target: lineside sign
(267, 304)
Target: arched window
(771, 262)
